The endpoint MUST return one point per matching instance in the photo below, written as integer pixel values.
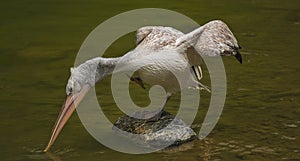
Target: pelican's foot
(203, 87)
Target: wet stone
(167, 130)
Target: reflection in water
(53, 156)
(180, 148)
(208, 149)
(39, 154)
(35, 154)
(200, 150)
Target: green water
(39, 41)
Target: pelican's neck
(97, 68)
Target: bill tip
(45, 150)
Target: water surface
(39, 42)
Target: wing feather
(156, 37)
(217, 39)
(212, 39)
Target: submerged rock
(164, 132)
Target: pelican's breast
(161, 67)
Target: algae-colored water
(39, 41)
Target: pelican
(165, 49)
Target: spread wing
(217, 39)
(158, 37)
(212, 39)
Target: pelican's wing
(212, 39)
(159, 37)
(156, 37)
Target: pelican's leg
(158, 115)
(198, 72)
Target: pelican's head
(76, 89)
(75, 82)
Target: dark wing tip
(238, 56)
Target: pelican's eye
(70, 87)
(69, 90)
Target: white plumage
(163, 51)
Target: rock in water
(167, 130)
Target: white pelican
(165, 49)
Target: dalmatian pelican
(163, 50)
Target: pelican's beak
(238, 56)
(68, 108)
